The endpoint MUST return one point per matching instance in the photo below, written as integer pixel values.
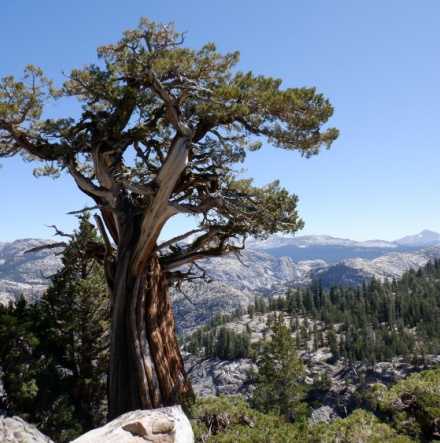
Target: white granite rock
(16, 430)
(165, 425)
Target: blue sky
(378, 62)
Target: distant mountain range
(331, 250)
(267, 267)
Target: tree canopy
(164, 125)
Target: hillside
(23, 272)
(348, 339)
(349, 272)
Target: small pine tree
(278, 382)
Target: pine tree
(278, 382)
(76, 309)
(161, 131)
(55, 354)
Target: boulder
(210, 378)
(324, 414)
(165, 425)
(16, 430)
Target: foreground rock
(165, 425)
(16, 430)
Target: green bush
(231, 420)
(360, 426)
(415, 404)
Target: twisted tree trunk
(146, 369)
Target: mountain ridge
(332, 249)
(235, 283)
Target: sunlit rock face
(164, 425)
(16, 430)
(23, 273)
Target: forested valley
(369, 323)
(54, 355)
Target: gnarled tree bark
(146, 369)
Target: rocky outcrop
(352, 272)
(197, 303)
(22, 272)
(324, 414)
(255, 269)
(9, 290)
(165, 425)
(211, 378)
(16, 430)
(233, 287)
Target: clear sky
(378, 62)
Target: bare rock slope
(23, 272)
(16, 430)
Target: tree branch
(87, 186)
(178, 239)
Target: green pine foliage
(54, 355)
(414, 404)
(231, 420)
(230, 345)
(278, 386)
(360, 426)
(376, 321)
(216, 340)
(221, 342)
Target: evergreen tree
(55, 355)
(414, 404)
(76, 310)
(278, 382)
